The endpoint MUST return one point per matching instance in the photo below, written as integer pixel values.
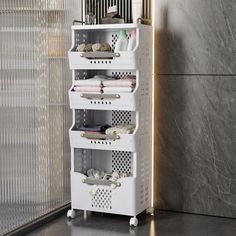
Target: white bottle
(132, 41)
(137, 8)
(122, 42)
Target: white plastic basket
(103, 60)
(108, 101)
(124, 101)
(105, 198)
(118, 199)
(120, 142)
(109, 33)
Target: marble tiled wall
(195, 106)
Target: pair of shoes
(97, 47)
(103, 175)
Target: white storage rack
(125, 153)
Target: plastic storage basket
(109, 33)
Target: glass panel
(34, 110)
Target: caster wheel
(133, 222)
(150, 211)
(71, 214)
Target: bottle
(122, 42)
(132, 41)
(137, 7)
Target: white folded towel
(119, 83)
(105, 77)
(88, 89)
(93, 82)
(120, 129)
(117, 89)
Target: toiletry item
(122, 42)
(90, 11)
(132, 41)
(137, 8)
(90, 19)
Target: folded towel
(129, 77)
(119, 83)
(92, 82)
(121, 129)
(88, 89)
(105, 77)
(117, 89)
(95, 81)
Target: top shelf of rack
(108, 26)
(138, 58)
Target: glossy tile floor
(163, 224)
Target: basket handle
(99, 55)
(100, 136)
(99, 96)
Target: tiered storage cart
(125, 153)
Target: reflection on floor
(162, 224)
(13, 216)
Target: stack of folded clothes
(107, 129)
(106, 84)
(92, 85)
(94, 129)
(124, 85)
(120, 129)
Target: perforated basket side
(102, 199)
(82, 160)
(122, 162)
(121, 117)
